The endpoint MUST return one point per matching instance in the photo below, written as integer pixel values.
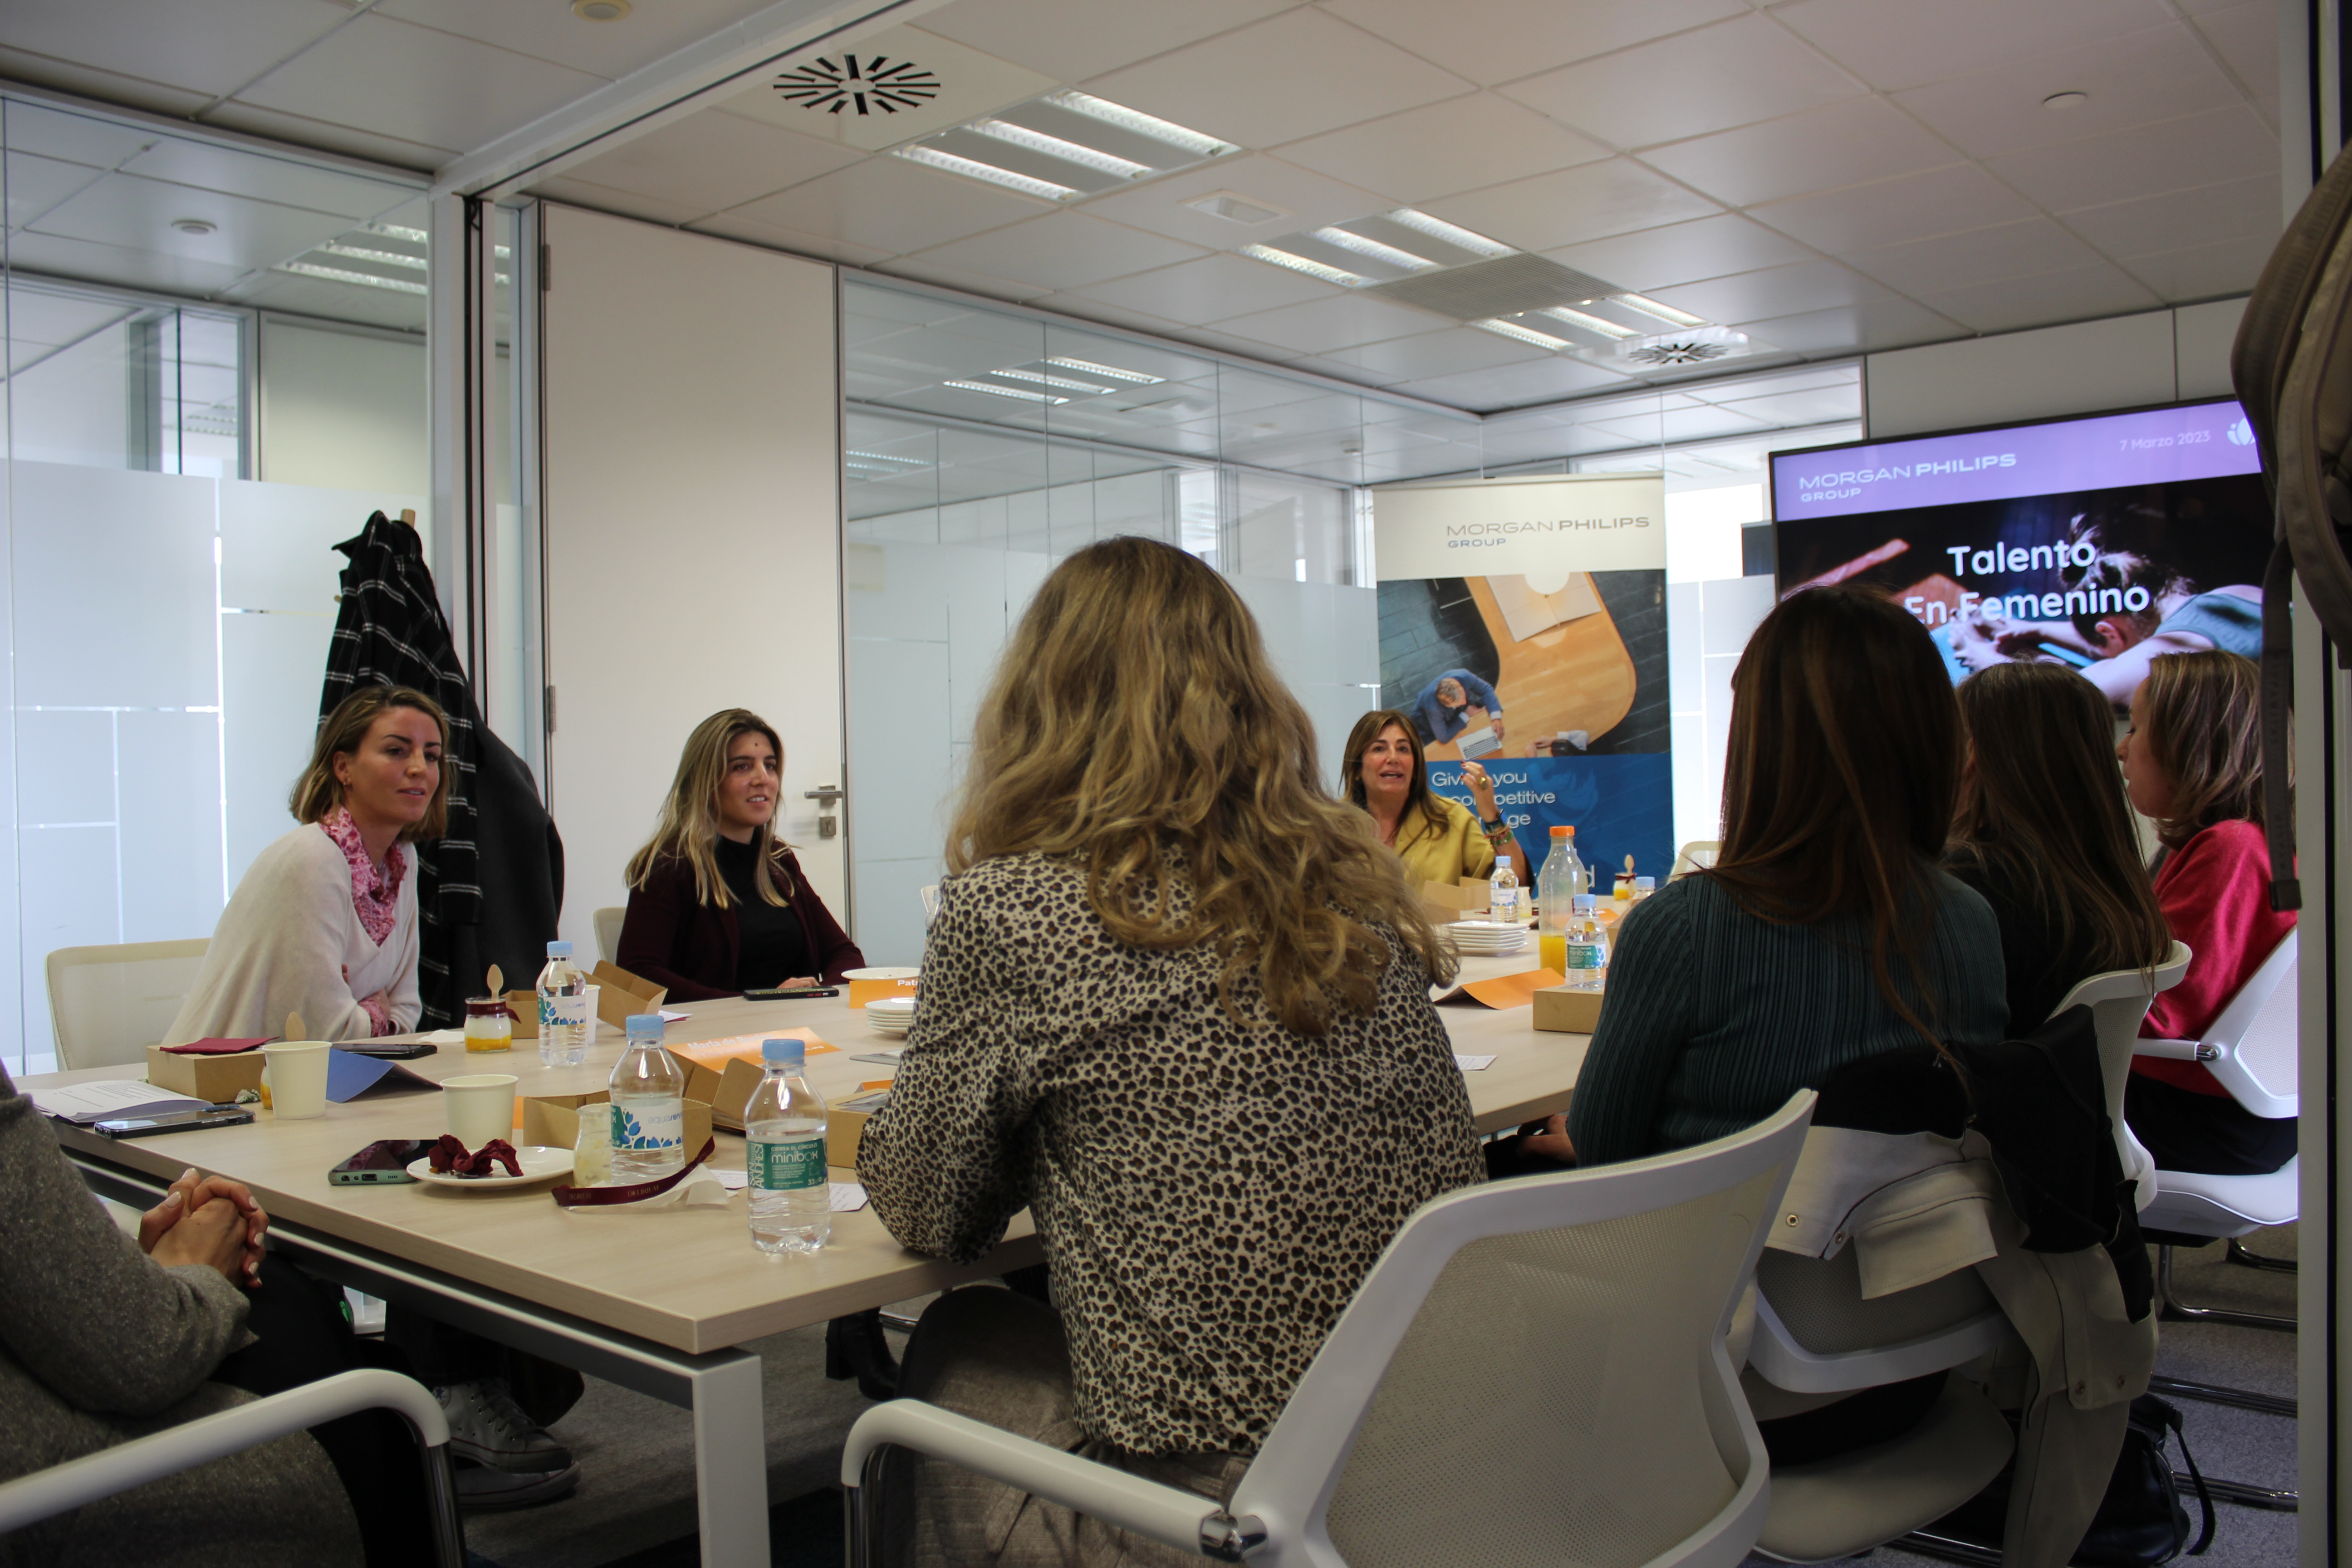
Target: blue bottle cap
(559, 949)
(1582, 903)
(643, 1023)
(784, 1052)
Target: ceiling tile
(2158, 73)
(1821, 406)
(211, 167)
(970, 84)
(2175, 155)
(73, 138)
(36, 185)
(1461, 144)
(1499, 40)
(1209, 289)
(2076, 295)
(891, 204)
(1980, 255)
(1062, 250)
(397, 79)
(1683, 253)
(1843, 380)
(1775, 291)
(304, 131)
(1893, 44)
(110, 263)
(137, 214)
(958, 277)
(1081, 309)
(734, 225)
(2239, 209)
(605, 199)
(711, 161)
(1285, 78)
(210, 49)
(1514, 386)
(1733, 73)
(1070, 40)
(609, 50)
(1307, 200)
(1855, 329)
(2204, 271)
(2247, 36)
(336, 301)
(1680, 424)
(108, 86)
(1319, 326)
(1449, 352)
(1843, 144)
(1862, 217)
(1573, 206)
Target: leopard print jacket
(1209, 1194)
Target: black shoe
(482, 1488)
(854, 1347)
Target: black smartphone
(792, 994)
(170, 1121)
(391, 1050)
(387, 1161)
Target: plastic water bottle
(1588, 950)
(1555, 886)
(1503, 893)
(1580, 876)
(648, 1106)
(563, 1009)
(783, 1155)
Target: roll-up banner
(1523, 625)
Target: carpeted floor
(634, 1508)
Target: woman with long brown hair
(2045, 834)
(1384, 771)
(1161, 951)
(1824, 932)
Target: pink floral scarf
(375, 896)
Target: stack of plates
(891, 1014)
(1477, 937)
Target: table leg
(730, 1463)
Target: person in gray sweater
(104, 1338)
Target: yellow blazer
(1433, 855)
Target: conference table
(662, 1301)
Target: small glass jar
(489, 1026)
(592, 1152)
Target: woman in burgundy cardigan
(717, 905)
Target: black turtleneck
(771, 948)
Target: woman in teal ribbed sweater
(1825, 932)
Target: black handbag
(2141, 1521)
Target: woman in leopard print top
(1176, 1004)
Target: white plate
(879, 973)
(539, 1162)
(893, 1030)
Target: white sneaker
(488, 1428)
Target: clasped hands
(209, 1220)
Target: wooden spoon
(294, 1030)
(497, 975)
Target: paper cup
(479, 1106)
(596, 1000)
(297, 1079)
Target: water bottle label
(649, 1127)
(554, 1012)
(1584, 955)
(777, 1165)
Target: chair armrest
(1167, 1514)
(2174, 1050)
(43, 1493)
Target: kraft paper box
(1568, 1012)
(1460, 900)
(552, 1121)
(725, 1092)
(524, 1005)
(843, 1129)
(623, 994)
(214, 1079)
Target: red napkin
(215, 1047)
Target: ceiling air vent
(875, 85)
(1508, 285)
(1696, 346)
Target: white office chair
(44, 1494)
(2251, 1050)
(931, 896)
(2120, 1001)
(1695, 856)
(608, 932)
(1581, 1317)
(108, 1005)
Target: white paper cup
(297, 1079)
(595, 996)
(481, 1107)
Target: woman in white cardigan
(324, 922)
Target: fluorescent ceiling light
(395, 231)
(388, 257)
(1090, 368)
(1087, 387)
(1022, 394)
(1056, 147)
(338, 275)
(1375, 249)
(1438, 229)
(1142, 124)
(1025, 184)
(1609, 330)
(1663, 313)
(1302, 264)
(1525, 334)
(886, 457)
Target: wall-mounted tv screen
(2098, 542)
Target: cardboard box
(524, 1005)
(214, 1079)
(1457, 901)
(553, 1120)
(1568, 1012)
(623, 994)
(843, 1129)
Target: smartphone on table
(790, 993)
(387, 1161)
(172, 1122)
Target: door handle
(827, 798)
(828, 793)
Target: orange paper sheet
(1507, 990)
(716, 1053)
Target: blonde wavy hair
(1134, 715)
(688, 827)
(341, 733)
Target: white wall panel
(692, 530)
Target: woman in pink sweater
(2193, 762)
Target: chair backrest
(2256, 1038)
(608, 932)
(1817, 1334)
(2119, 1001)
(1695, 856)
(931, 896)
(1579, 1317)
(108, 1005)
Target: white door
(692, 443)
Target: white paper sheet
(1473, 1064)
(104, 1097)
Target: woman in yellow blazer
(1438, 839)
